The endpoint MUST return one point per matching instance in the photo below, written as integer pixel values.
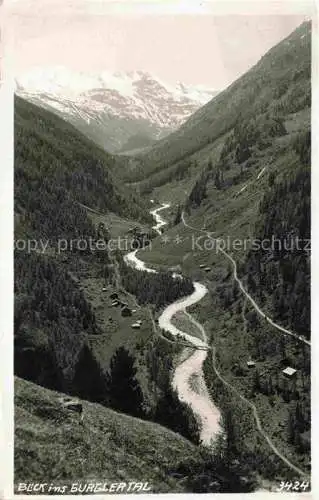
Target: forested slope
(282, 271)
(56, 170)
(278, 84)
(68, 336)
(57, 167)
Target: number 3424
(294, 486)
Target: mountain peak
(155, 107)
(61, 80)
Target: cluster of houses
(125, 309)
(288, 372)
(117, 302)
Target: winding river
(188, 379)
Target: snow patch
(126, 95)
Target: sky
(191, 42)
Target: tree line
(118, 388)
(150, 288)
(283, 271)
(169, 410)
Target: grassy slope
(108, 446)
(226, 212)
(117, 329)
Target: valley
(121, 111)
(179, 318)
(192, 366)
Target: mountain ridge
(118, 105)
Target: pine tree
(125, 392)
(291, 428)
(178, 215)
(256, 382)
(217, 180)
(230, 430)
(174, 414)
(271, 179)
(89, 381)
(270, 386)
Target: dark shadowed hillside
(56, 167)
(58, 172)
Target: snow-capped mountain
(114, 108)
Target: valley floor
(261, 419)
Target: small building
(289, 372)
(115, 303)
(133, 310)
(251, 364)
(126, 311)
(104, 289)
(207, 269)
(136, 325)
(201, 266)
